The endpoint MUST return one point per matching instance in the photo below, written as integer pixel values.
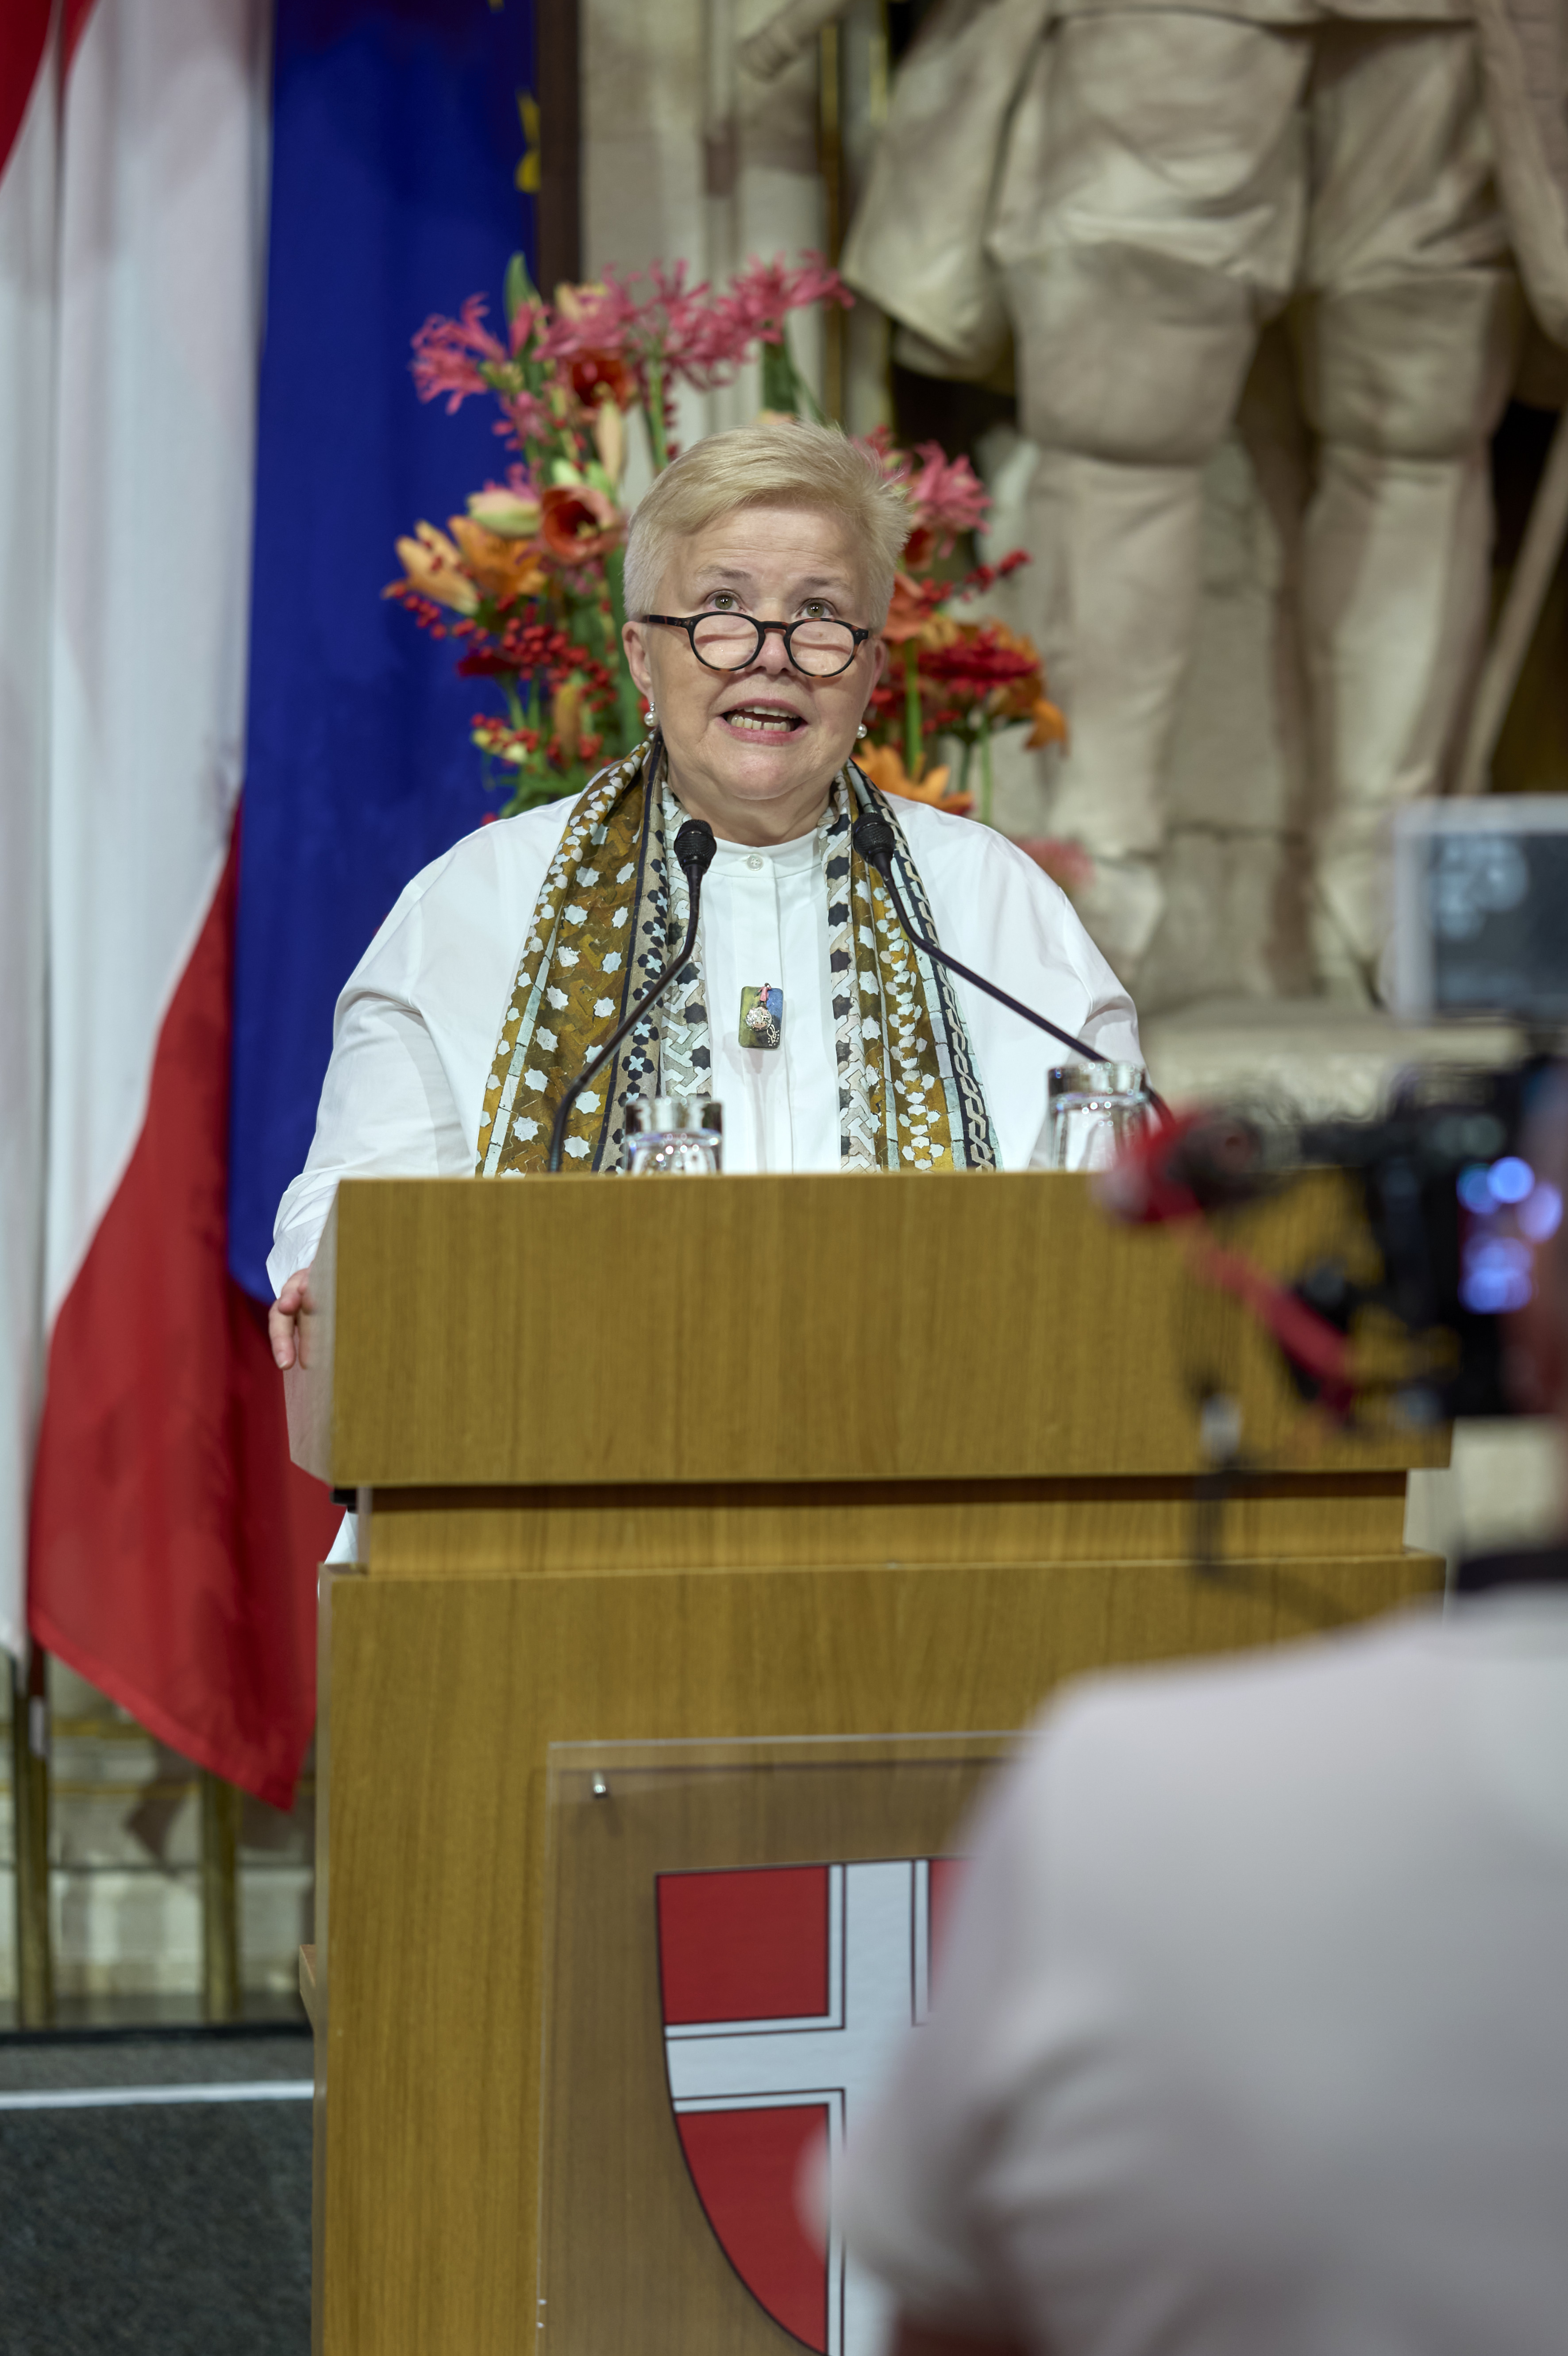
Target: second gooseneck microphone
(876, 843)
(694, 848)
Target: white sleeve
(999, 913)
(1109, 1022)
(387, 1107)
(414, 1036)
(1110, 1026)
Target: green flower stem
(627, 702)
(986, 780)
(587, 615)
(783, 386)
(781, 381)
(911, 708)
(807, 403)
(965, 765)
(653, 413)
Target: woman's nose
(773, 656)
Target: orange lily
(434, 566)
(883, 765)
(1049, 726)
(503, 567)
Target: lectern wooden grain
(759, 1456)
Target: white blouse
(415, 1034)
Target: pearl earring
(649, 713)
(862, 730)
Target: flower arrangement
(951, 682)
(528, 581)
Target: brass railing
(35, 1790)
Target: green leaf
(519, 287)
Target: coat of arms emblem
(786, 1992)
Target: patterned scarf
(613, 910)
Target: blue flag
(397, 139)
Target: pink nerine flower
(946, 495)
(597, 318)
(761, 298)
(670, 323)
(525, 419)
(896, 465)
(694, 333)
(451, 354)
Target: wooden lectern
(761, 1456)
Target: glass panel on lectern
(740, 1936)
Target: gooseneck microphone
(876, 843)
(694, 848)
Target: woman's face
(755, 751)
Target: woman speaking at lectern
(758, 572)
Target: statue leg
(1149, 221)
(1408, 337)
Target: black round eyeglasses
(732, 641)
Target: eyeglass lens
(730, 641)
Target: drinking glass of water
(675, 1137)
(1095, 1111)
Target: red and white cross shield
(786, 1991)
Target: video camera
(1456, 1210)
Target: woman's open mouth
(762, 720)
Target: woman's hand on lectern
(283, 1319)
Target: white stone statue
(1133, 194)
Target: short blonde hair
(779, 461)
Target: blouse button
(754, 862)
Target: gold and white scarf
(613, 910)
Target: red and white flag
(166, 1546)
(28, 111)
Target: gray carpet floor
(182, 2227)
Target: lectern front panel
(739, 1938)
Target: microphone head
(695, 847)
(875, 840)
